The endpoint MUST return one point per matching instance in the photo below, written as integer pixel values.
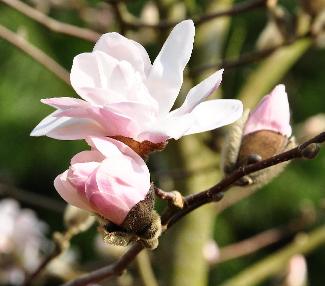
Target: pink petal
(110, 121)
(200, 92)
(118, 188)
(123, 49)
(272, 113)
(64, 102)
(166, 76)
(69, 193)
(112, 148)
(109, 207)
(104, 203)
(79, 173)
(87, 156)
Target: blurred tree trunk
(189, 266)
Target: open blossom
(22, 240)
(272, 113)
(108, 180)
(123, 94)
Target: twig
(35, 53)
(234, 10)
(55, 253)
(192, 202)
(174, 198)
(111, 270)
(31, 198)
(61, 243)
(145, 269)
(248, 58)
(272, 265)
(52, 24)
(263, 239)
(119, 16)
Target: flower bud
(297, 271)
(113, 182)
(264, 134)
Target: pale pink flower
(123, 94)
(108, 180)
(211, 251)
(297, 271)
(22, 241)
(272, 113)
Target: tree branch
(236, 9)
(32, 198)
(276, 262)
(119, 17)
(52, 24)
(263, 239)
(248, 58)
(192, 202)
(35, 53)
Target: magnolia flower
(108, 180)
(22, 240)
(123, 94)
(297, 271)
(272, 113)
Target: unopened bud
(211, 252)
(311, 151)
(142, 224)
(297, 271)
(265, 133)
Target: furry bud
(261, 135)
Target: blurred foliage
(32, 163)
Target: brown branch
(35, 53)
(192, 202)
(111, 270)
(236, 9)
(248, 58)
(31, 198)
(119, 17)
(264, 239)
(52, 24)
(55, 253)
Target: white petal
(66, 128)
(169, 127)
(91, 70)
(212, 114)
(121, 48)
(166, 76)
(199, 92)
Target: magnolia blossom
(108, 180)
(297, 271)
(21, 242)
(124, 94)
(272, 113)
